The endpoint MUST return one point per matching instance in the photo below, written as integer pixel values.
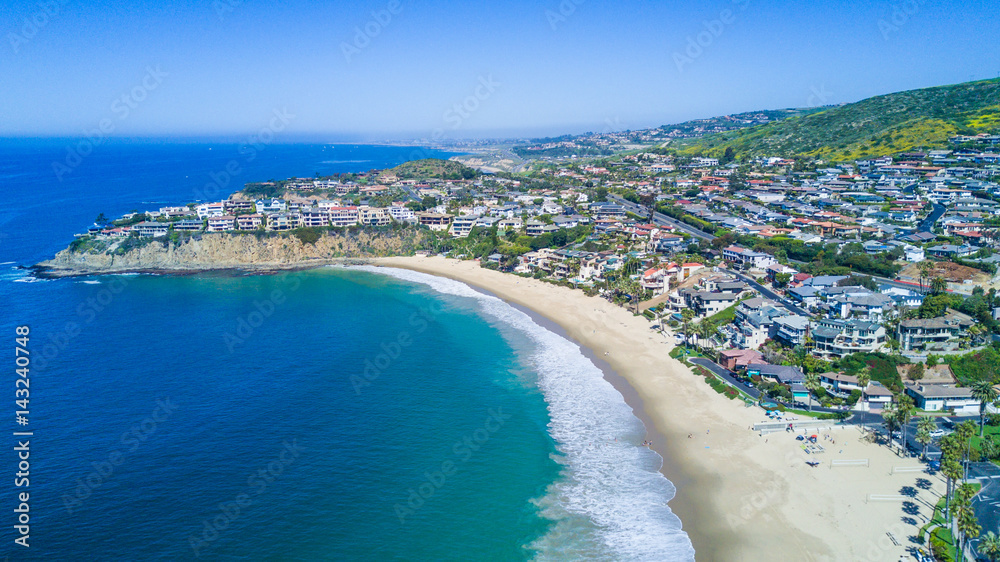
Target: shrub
(307, 235)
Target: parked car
(938, 433)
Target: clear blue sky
(556, 67)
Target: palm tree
(989, 546)
(989, 449)
(986, 394)
(812, 385)
(968, 527)
(904, 412)
(964, 434)
(926, 267)
(704, 331)
(938, 285)
(925, 426)
(686, 316)
(890, 419)
(952, 471)
(864, 377)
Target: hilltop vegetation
(878, 126)
(431, 168)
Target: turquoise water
(332, 414)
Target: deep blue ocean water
(333, 414)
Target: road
(987, 502)
(927, 225)
(771, 294)
(726, 375)
(661, 219)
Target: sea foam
(610, 501)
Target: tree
(989, 449)
(101, 219)
(686, 316)
(800, 356)
(938, 286)
(812, 385)
(986, 394)
(890, 420)
(916, 372)
(989, 546)
(904, 412)
(965, 517)
(925, 426)
(704, 331)
(728, 156)
(963, 435)
(864, 377)
(926, 268)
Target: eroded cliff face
(232, 251)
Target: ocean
(330, 414)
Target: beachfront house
(462, 226)
(151, 229)
(435, 221)
(839, 384)
(943, 397)
(374, 216)
(221, 223)
(249, 222)
(738, 359)
(876, 396)
(343, 216)
(781, 374)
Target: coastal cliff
(220, 251)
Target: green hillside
(879, 126)
(430, 168)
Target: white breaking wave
(611, 499)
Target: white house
(207, 210)
(940, 397)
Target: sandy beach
(740, 496)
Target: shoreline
(740, 496)
(49, 272)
